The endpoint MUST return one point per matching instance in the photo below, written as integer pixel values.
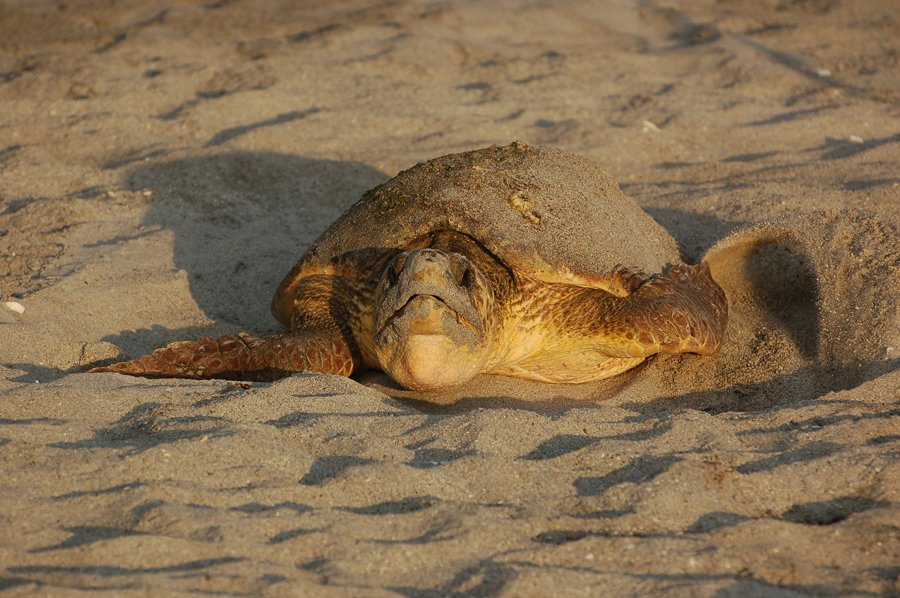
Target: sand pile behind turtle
(814, 302)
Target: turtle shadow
(240, 221)
(695, 233)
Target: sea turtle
(518, 260)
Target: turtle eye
(396, 267)
(460, 270)
(468, 278)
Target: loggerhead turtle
(520, 261)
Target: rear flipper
(246, 357)
(682, 311)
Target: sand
(162, 166)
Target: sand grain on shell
(162, 168)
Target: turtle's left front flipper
(246, 357)
(681, 311)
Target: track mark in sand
(291, 534)
(325, 468)
(829, 512)
(638, 471)
(114, 571)
(433, 457)
(788, 116)
(87, 535)
(119, 488)
(559, 445)
(229, 134)
(810, 452)
(255, 507)
(410, 504)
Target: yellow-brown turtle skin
(517, 260)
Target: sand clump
(162, 168)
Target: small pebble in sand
(823, 72)
(856, 139)
(649, 126)
(14, 306)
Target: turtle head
(434, 319)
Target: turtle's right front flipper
(246, 357)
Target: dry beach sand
(162, 166)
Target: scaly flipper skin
(683, 310)
(246, 357)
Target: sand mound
(815, 294)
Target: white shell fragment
(14, 306)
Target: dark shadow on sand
(266, 206)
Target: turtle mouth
(430, 313)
